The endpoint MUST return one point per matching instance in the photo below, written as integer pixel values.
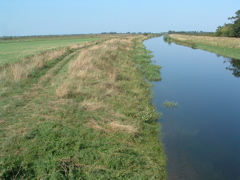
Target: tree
(226, 31)
(236, 28)
(231, 29)
(236, 24)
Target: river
(202, 134)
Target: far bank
(225, 46)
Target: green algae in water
(170, 104)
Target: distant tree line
(191, 32)
(231, 29)
(128, 33)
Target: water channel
(202, 134)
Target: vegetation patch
(225, 46)
(143, 59)
(170, 104)
(230, 29)
(84, 114)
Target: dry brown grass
(112, 127)
(116, 126)
(92, 104)
(18, 72)
(95, 125)
(63, 91)
(216, 41)
(93, 66)
(81, 66)
(22, 69)
(94, 75)
(16, 129)
(2, 121)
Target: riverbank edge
(220, 50)
(151, 72)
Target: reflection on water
(202, 134)
(234, 67)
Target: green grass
(224, 51)
(228, 47)
(17, 49)
(84, 115)
(143, 59)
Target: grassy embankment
(229, 47)
(81, 112)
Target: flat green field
(16, 49)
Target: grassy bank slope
(229, 47)
(84, 113)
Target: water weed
(170, 104)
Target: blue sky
(48, 17)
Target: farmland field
(16, 49)
(80, 109)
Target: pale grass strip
(216, 41)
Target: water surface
(201, 135)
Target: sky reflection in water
(201, 135)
